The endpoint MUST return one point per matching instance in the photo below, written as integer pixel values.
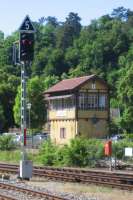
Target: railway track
(27, 192)
(112, 179)
(5, 197)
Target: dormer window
(93, 85)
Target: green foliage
(84, 152)
(48, 153)
(68, 49)
(6, 143)
(81, 152)
(2, 118)
(49, 81)
(35, 92)
(125, 93)
(17, 106)
(10, 156)
(119, 148)
(36, 98)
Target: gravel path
(82, 191)
(27, 185)
(71, 191)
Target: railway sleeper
(129, 182)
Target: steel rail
(119, 180)
(31, 192)
(81, 174)
(5, 197)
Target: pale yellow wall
(92, 113)
(70, 126)
(88, 129)
(98, 84)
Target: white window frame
(93, 86)
(81, 100)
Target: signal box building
(78, 107)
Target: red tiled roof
(69, 84)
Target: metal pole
(23, 109)
(29, 124)
(29, 121)
(26, 43)
(25, 164)
(29, 117)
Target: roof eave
(80, 85)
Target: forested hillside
(68, 49)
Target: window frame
(62, 132)
(91, 100)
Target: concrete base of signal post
(26, 167)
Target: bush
(48, 153)
(84, 152)
(81, 152)
(6, 143)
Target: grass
(15, 156)
(10, 156)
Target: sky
(12, 12)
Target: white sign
(61, 113)
(27, 26)
(129, 151)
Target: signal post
(26, 53)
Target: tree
(41, 61)
(52, 21)
(67, 49)
(35, 91)
(2, 118)
(68, 31)
(120, 13)
(125, 94)
(56, 64)
(1, 36)
(73, 20)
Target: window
(60, 104)
(93, 86)
(92, 101)
(102, 101)
(88, 101)
(81, 100)
(85, 101)
(62, 133)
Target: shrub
(81, 152)
(48, 153)
(84, 152)
(6, 143)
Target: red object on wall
(108, 148)
(25, 137)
